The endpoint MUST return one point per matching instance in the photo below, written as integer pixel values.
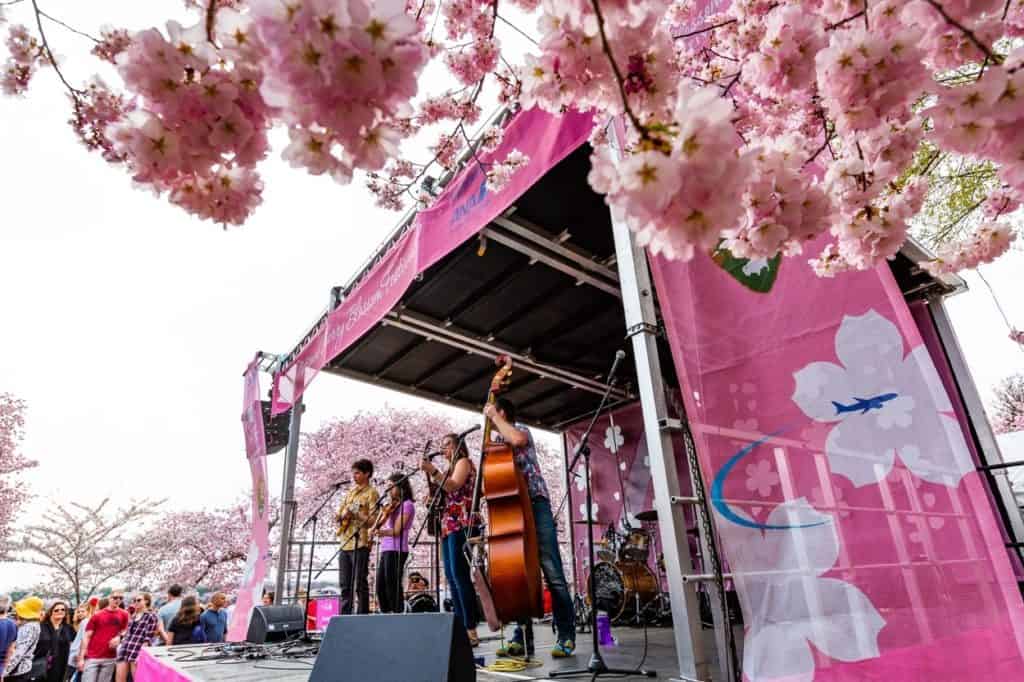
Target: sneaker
(510, 649)
(563, 649)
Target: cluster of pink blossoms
(26, 56)
(199, 124)
(989, 241)
(817, 124)
(501, 172)
(340, 73)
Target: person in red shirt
(102, 635)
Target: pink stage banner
(152, 669)
(465, 207)
(621, 486)
(251, 589)
(860, 537)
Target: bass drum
(617, 587)
(421, 602)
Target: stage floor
(198, 663)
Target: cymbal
(648, 515)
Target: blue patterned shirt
(526, 461)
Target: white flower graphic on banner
(788, 605)
(761, 478)
(882, 404)
(613, 439)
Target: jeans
(355, 566)
(98, 670)
(554, 575)
(389, 581)
(456, 571)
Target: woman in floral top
(456, 527)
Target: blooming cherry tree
(200, 548)
(1008, 408)
(12, 491)
(751, 126)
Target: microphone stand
(312, 550)
(597, 666)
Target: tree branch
(702, 30)
(70, 28)
(642, 129)
(75, 93)
(994, 58)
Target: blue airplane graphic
(864, 405)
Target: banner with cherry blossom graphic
(467, 205)
(251, 588)
(621, 485)
(860, 538)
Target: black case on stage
(411, 647)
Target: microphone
(620, 355)
(432, 455)
(467, 432)
(341, 483)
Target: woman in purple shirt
(394, 545)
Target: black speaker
(274, 623)
(411, 647)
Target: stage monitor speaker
(275, 623)
(411, 647)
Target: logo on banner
(465, 208)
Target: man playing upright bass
(503, 415)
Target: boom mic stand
(312, 550)
(596, 667)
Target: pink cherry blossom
(13, 491)
(500, 173)
(988, 242)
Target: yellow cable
(513, 664)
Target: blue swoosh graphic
(718, 499)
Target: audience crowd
(100, 640)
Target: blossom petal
(808, 550)
(919, 379)
(818, 385)
(869, 344)
(939, 453)
(859, 451)
(845, 624)
(772, 652)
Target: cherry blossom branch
(75, 92)
(969, 34)
(1006, 10)
(70, 28)
(703, 30)
(607, 48)
(211, 21)
(838, 24)
(516, 28)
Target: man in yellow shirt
(355, 519)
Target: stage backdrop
(621, 476)
(463, 209)
(251, 589)
(860, 537)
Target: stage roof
(538, 283)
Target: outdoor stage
(200, 663)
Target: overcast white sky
(126, 324)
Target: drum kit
(625, 587)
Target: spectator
(102, 636)
(229, 610)
(185, 628)
(87, 611)
(215, 618)
(143, 625)
(54, 646)
(18, 666)
(8, 635)
(169, 610)
(268, 598)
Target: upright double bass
(509, 580)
